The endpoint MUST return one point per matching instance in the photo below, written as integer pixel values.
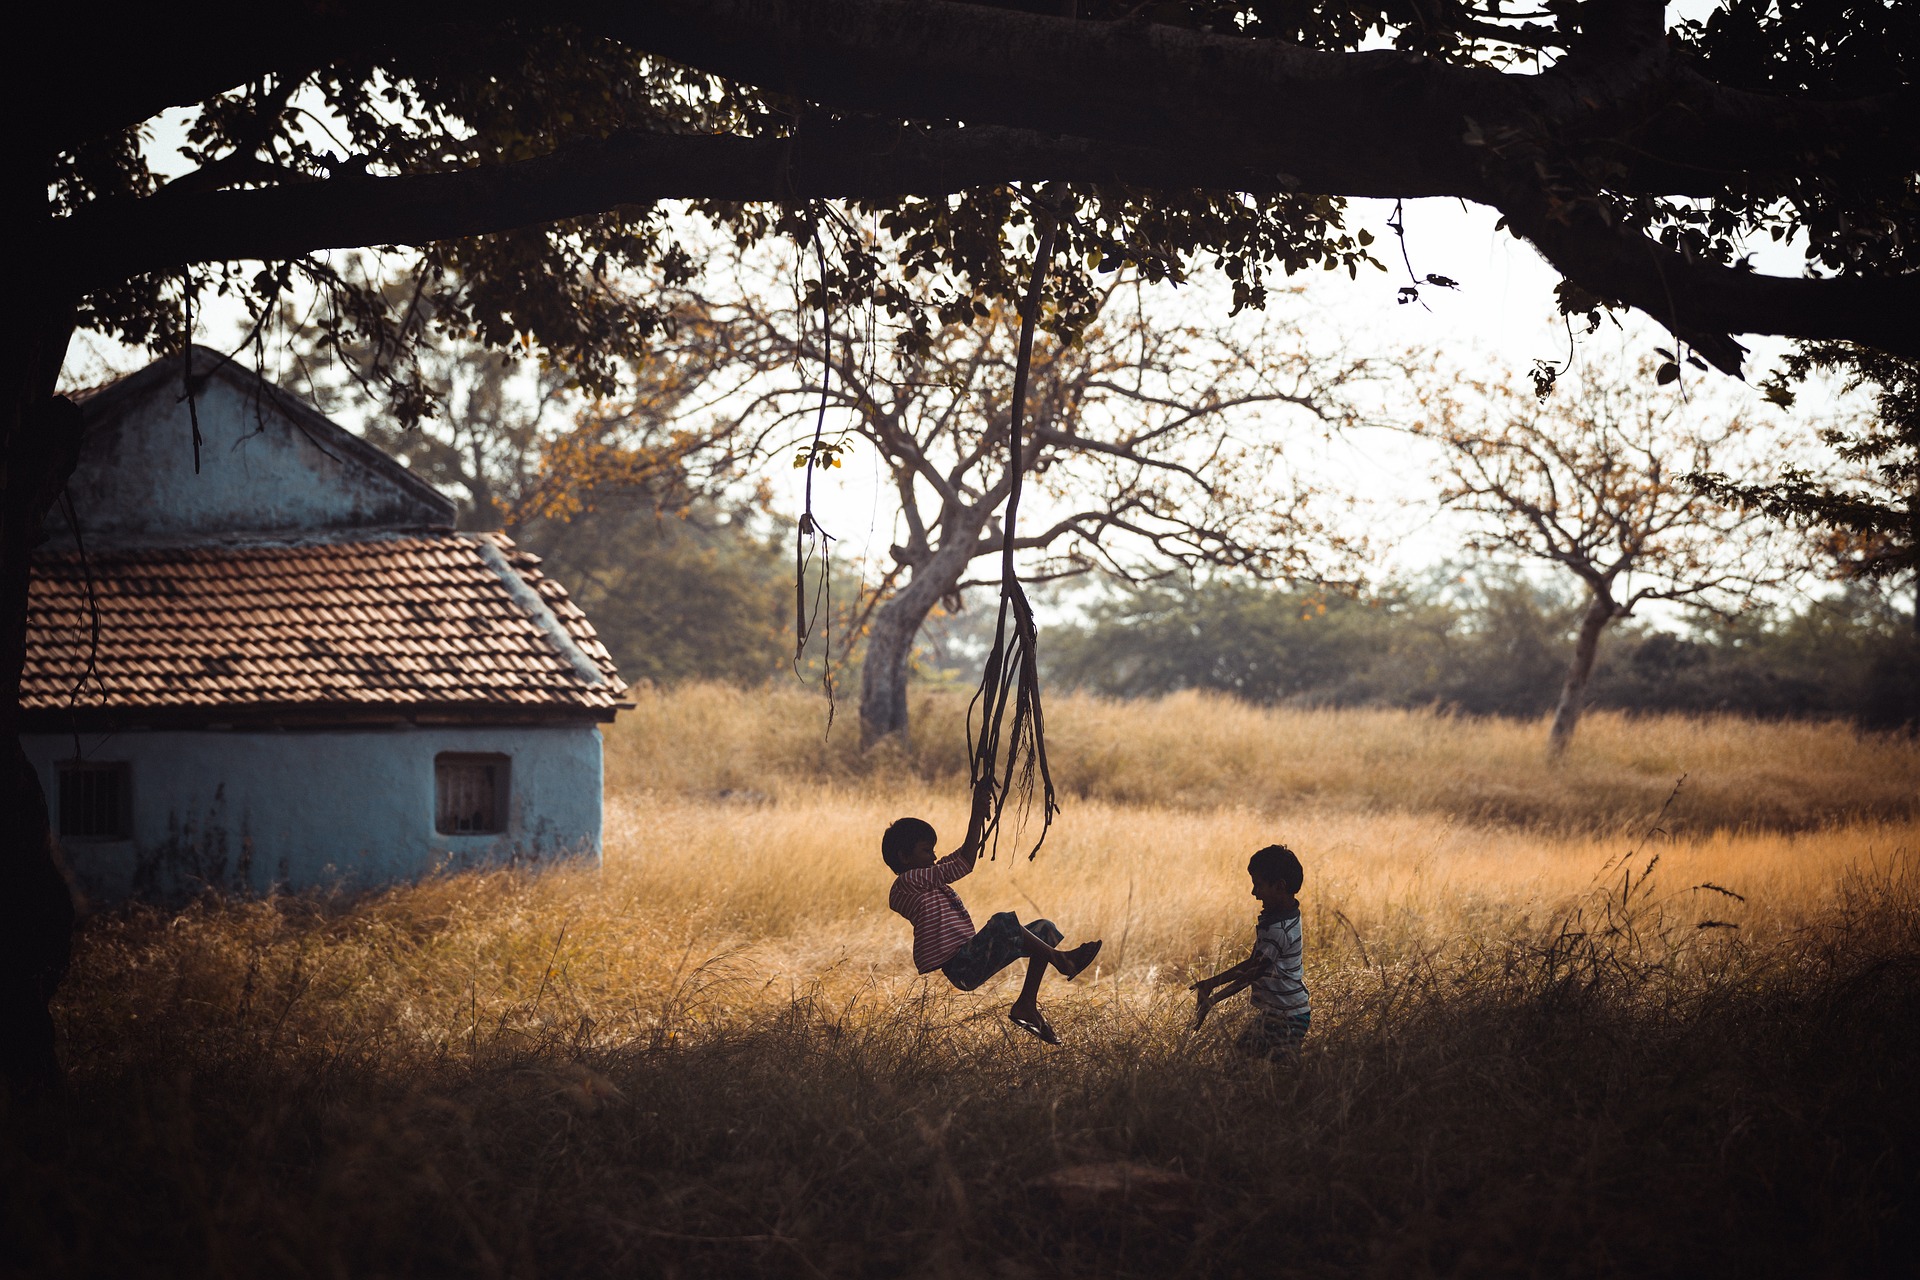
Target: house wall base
(254, 812)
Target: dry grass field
(1566, 1022)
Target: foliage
(526, 157)
(1487, 646)
(507, 435)
(1593, 484)
(1156, 444)
(1594, 487)
(692, 594)
(1871, 525)
(1255, 642)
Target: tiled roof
(433, 622)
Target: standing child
(1273, 970)
(943, 934)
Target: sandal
(1087, 953)
(1037, 1025)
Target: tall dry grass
(1200, 751)
(711, 1057)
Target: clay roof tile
(418, 620)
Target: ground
(1566, 1022)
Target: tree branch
(115, 239)
(1704, 303)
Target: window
(96, 800)
(470, 794)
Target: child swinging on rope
(943, 934)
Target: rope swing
(1011, 678)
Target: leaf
(1668, 372)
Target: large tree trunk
(39, 446)
(1913, 543)
(1600, 611)
(883, 672)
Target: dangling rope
(1012, 674)
(186, 369)
(810, 535)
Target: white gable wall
(268, 465)
(256, 811)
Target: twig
(1650, 832)
(1358, 941)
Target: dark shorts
(1273, 1036)
(997, 945)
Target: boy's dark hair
(1277, 864)
(903, 837)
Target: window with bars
(96, 800)
(470, 794)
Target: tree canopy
(529, 153)
(1487, 641)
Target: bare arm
(1249, 969)
(1227, 983)
(969, 850)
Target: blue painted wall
(252, 811)
(268, 464)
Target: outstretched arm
(1227, 983)
(977, 822)
(960, 862)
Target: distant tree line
(675, 595)
(1495, 645)
(704, 594)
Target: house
(264, 658)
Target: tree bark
(1913, 544)
(1566, 717)
(883, 672)
(39, 448)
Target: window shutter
(96, 800)
(470, 794)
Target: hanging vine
(1010, 682)
(809, 538)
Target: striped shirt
(1281, 991)
(941, 925)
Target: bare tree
(1596, 483)
(1153, 448)
(492, 419)
(512, 438)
